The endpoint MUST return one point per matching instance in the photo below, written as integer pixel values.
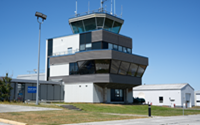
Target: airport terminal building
(96, 64)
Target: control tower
(96, 64)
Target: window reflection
(77, 27)
(73, 68)
(90, 24)
(140, 71)
(108, 24)
(114, 66)
(133, 69)
(86, 67)
(88, 46)
(110, 46)
(102, 66)
(124, 49)
(115, 47)
(116, 27)
(129, 50)
(120, 48)
(124, 68)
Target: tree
(5, 87)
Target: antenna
(88, 7)
(76, 9)
(102, 2)
(111, 8)
(121, 11)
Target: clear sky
(165, 31)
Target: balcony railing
(77, 50)
(100, 10)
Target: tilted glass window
(133, 69)
(124, 68)
(90, 24)
(108, 24)
(124, 49)
(96, 45)
(115, 66)
(116, 27)
(129, 50)
(77, 27)
(73, 68)
(86, 67)
(88, 46)
(102, 66)
(120, 48)
(100, 21)
(115, 47)
(141, 70)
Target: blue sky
(165, 31)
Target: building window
(90, 24)
(124, 49)
(129, 50)
(133, 69)
(120, 48)
(77, 27)
(86, 67)
(123, 68)
(82, 47)
(108, 24)
(110, 46)
(140, 71)
(96, 45)
(50, 47)
(115, 47)
(117, 95)
(104, 45)
(160, 99)
(102, 66)
(73, 69)
(198, 100)
(100, 22)
(115, 66)
(116, 27)
(70, 50)
(88, 46)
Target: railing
(65, 52)
(77, 50)
(100, 10)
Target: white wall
(62, 44)
(98, 94)
(153, 96)
(79, 92)
(186, 92)
(197, 99)
(59, 70)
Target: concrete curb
(12, 122)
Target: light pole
(39, 15)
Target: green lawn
(135, 109)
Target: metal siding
(43, 92)
(28, 95)
(125, 41)
(56, 92)
(97, 36)
(50, 92)
(101, 78)
(110, 37)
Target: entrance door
(20, 92)
(117, 95)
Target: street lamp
(39, 15)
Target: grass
(61, 117)
(135, 109)
(90, 113)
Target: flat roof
(161, 87)
(35, 81)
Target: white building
(166, 94)
(197, 98)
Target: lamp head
(38, 14)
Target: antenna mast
(121, 11)
(88, 7)
(76, 9)
(102, 2)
